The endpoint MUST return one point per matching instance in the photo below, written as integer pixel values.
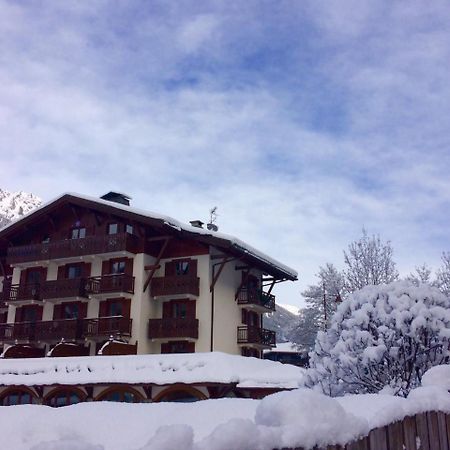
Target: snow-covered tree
(421, 275)
(321, 299)
(368, 262)
(382, 336)
(443, 275)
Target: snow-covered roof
(239, 245)
(285, 347)
(186, 368)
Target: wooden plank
(443, 436)
(422, 431)
(395, 435)
(409, 433)
(378, 439)
(433, 430)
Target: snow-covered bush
(382, 338)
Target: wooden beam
(242, 268)
(152, 266)
(158, 238)
(271, 286)
(214, 257)
(217, 275)
(158, 259)
(52, 221)
(243, 282)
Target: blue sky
(302, 120)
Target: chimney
(117, 197)
(196, 223)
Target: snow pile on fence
(186, 368)
(299, 418)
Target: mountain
(14, 205)
(291, 308)
(281, 321)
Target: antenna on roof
(212, 219)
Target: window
(73, 271)
(29, 314)
(179, 310)
(70, 311)
(182, 267)
(178, 347)
(33, 276)
(64, 397)
(115, 309)
(180, 395)
(113, 228)
(78, 233)
(129, 229)
(120, 395)
(117, 267)
(46, 239)
(17, 397)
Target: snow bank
(186, 368)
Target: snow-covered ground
(301, 417)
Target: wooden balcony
(20, 331)
(173, 328)
(174, 285)
(55, 330)
(255, 297)
(107, 326)
(70, 248)
(107, 284)
(67, 288)
(257, 336)
(21, 292)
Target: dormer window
(78, 233)
(113, 228)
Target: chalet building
(94, 276)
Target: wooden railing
(173, 328)
(424, 431)
(20, 292)
(69, 287)
(17, 331)
(68, 248)
(253, 335)
(107, 326)
(173, 285)
(57, 329)
(110, 283)
(256, 297)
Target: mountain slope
(280, 321)
(14, 205)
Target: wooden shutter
(86, 270)
(190, 347)
(190, 309)
(169, 269)
(167, 310)
(57, 312)
(23, 276)
(103, 312)
(126, 302)
(106, 267)
(39, 312)
(4, 317)
(244, 316)
(192, 271)
(61, 272)
(129, 266)
(165, 348)
(18, 317)
(82, 310)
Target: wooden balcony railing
(17, 331)
(70, 287)
(173, 328)
(20, 292)
(110, 283)
(68, 248)
(107, 326)
(254, 335)
(173, 285)
(67, 329)
(256, 297)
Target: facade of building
(87, 276)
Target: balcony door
(70, 310)
(29, 313)
(179, 309)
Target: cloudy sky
(303, 121)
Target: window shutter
(190, 309)
(23, 276)
(192, 268)
(126, 307)
(86, 270)
(167, 310)
(83, 310)
(4, 317)
(244, 316)
(57, 312)
(18, 317)
(39, 312)
(43, 274)
(165, 348)
(170, 268)
(106, 267)
(129, 266)
(103, 312)
(61, 272)
(190, 347)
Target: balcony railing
(110, 283)
(173, 285)
(107, 326)
(256, 297)
(17, 331)
(69, 248)
(20, 292)
(67, 329)
(173, 328)
(254, 335)
(70, 287)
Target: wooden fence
(425, 431)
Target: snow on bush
(382, 337)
